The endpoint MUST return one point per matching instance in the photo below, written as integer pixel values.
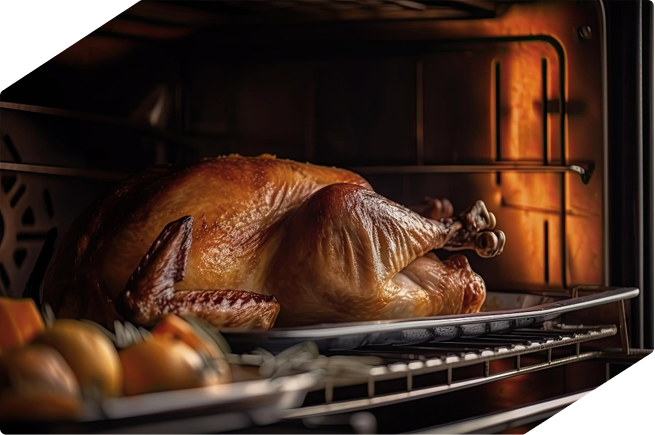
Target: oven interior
(528, 106)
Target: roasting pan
(502, 312)
(229, 407)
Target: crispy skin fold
(150, 295)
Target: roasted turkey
(242, 241)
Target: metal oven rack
(493, 423)
(416, 371)
(437, 368)
(410, 362)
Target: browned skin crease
(149, 294)
(363, 244)
(228, 308)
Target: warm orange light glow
(530, 207)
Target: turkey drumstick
(485, 243)
(475, 232)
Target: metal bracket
(623, 323)
(623, 328)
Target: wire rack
(497, 422)
(414, 372)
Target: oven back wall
(403, 94)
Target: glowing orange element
(20, 322)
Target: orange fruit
(164, 363)
(89, 353)
(36, 382)
(181, 330)
(20, 322)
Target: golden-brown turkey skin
(236, 203)
(369, 262)
(318, 239)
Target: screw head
(585, 33)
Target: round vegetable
(36, 382)
(20, 322)
(164, 363)
(180, 329)
(89, 353)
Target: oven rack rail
(496, 422)
(407, 363)
(583, 170)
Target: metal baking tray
(502, 312)
(219, 408)
(213, 409)
(236, 395)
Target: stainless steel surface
(460, 353)
(605, 226)
(93, 174)
(617, 355)
(623, 328)
(420, 169)
(420, 128)
(352, 335)
(411, 362)
(224, 422)
(233, 396)
(222, 408)
(389, 399)
(585, 32)
(506, 420)
(118, 122)
(585, 174)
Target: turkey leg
(474, 229)
(466, 230)
(149, 293)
